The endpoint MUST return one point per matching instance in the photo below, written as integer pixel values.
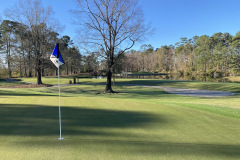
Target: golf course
(134, 123)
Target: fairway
(136, 123)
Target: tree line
(27, 39)
(216, 55)
(27, 50)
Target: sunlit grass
(136, 123)
(233, 78)
(232, 87)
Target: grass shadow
(24, 120)
(9, 92)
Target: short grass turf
(136, 123)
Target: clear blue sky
(171, 19)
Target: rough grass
(233, 79)
(231, 87)
(136, 123)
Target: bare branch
(117, 22)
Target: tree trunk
(67, 68)
(39, 70)
(25, 71)
(20, 68)
(24, 65)
(43, 72)
(8, 60)
(39, 76)
(30, 73)
(108, 88)
(29, 65)
(9, 69)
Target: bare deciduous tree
(110, 25)
(35, 20)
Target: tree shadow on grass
(22, 93)
(29, 120)
(38, 120)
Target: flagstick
(60, 123)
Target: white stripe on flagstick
(60, 123)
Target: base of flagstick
(60, 138)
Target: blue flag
(56, 57)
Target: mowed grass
(136, 123)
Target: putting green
(137, 123)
